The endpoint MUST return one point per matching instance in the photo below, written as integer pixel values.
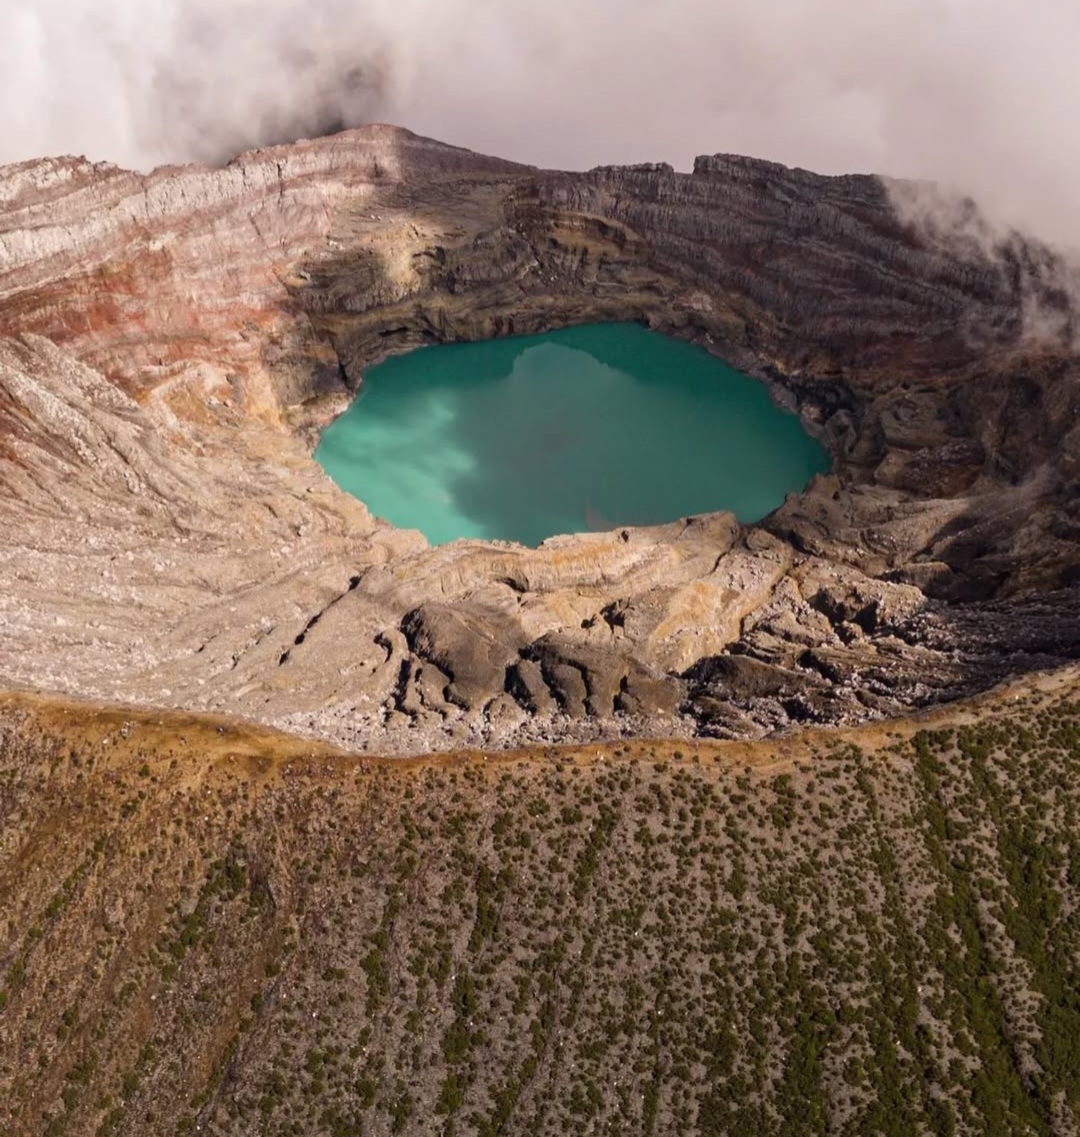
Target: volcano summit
(174, 343)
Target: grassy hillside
(205, 928)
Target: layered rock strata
(173, 342)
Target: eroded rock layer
(173, 342)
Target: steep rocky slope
(206, 928)
(172, 343)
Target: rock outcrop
(173, 342)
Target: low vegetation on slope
(204, 930)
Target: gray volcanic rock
(471, 648)
(172, 343)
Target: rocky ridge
(173, 342)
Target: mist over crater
(961, 92)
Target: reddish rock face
(144, 276)
(171, 342)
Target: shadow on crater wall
(906, 360)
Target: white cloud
(983, 94)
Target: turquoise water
(588, 428)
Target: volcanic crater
(173, 343)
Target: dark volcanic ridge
(172, 343)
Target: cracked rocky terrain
(171, 344)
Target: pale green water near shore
(588, 428)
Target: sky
(980, 95)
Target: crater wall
(172, 343)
